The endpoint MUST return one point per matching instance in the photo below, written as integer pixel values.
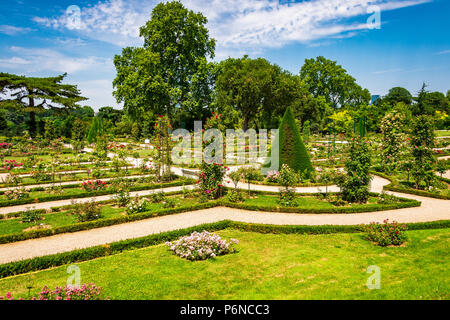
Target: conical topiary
(292, 150)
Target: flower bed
(388, 233)
(85, 292)
(94, 185)
(201, 246)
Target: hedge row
(393, 186)
(371, 207)
(267, 183)
(45, 262)
(10, 203)
(422, 193)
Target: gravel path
(431, 210)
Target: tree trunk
(245, 125)
(32, 123)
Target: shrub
(235, 176)
(170, 203)
(210, 179)
(94, 185)
(292, 150)
(201, 246)
(272, 176)
(235, 195)
(388, 233)
(355, 184)
(87, 211)
(385, 198)
(287, 198)
(287, 179)
(17, 194)
(29, 216)
(137, 205)
(122, 197)
(157, 197)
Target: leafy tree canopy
(171, 70)
(325, 78)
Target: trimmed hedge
(422, 193)
(394, 186)
(45, 262)
(370, 207)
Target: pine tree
(26, 92)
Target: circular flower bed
(201, 246)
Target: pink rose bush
(272, 176)
(202, 246)
(11, 164)
(94, 185)
(85, 292)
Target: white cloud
(443, 52)
(387, 71)
(243, 24)
(12, 30)
(99, 93)
(31, 60)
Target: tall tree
(325, 78)
(398, 94)
(247, 85)
(34, 95)
(171, 69)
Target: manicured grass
(272, 200)
(267, 266)
(442, 133)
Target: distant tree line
(172, 74)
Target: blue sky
(411, 45)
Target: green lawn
(442, 133)
(268, 266)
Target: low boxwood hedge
(396, 187)
(49, 261)
(370, 207)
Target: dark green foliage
(34, 95)
(95, 130)
(292, 150)
(355, 186)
